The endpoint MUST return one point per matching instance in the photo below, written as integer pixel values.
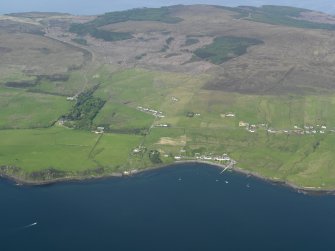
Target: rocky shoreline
(73, 178)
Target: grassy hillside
(74, 106)
(66, 150)
(117, 117)
(20, 109)
(281, 153)
(26, 57)
(10, 25)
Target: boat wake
(19, 229)
(29, 226)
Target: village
(296, 130)
(208, 157)
(223, 160)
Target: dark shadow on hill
(293, 81)
(93, 28)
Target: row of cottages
(151, 111)
(297, 130)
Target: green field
(21, 109)
(68, 150)
(122, 118)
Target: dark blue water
(187, 207)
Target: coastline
(305, 190)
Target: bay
(184, 207)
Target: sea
(184, 207)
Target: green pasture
(78, 81)
(114, 150)
(21, 109)
(279, 112)
(64, 149)
(122, 117)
